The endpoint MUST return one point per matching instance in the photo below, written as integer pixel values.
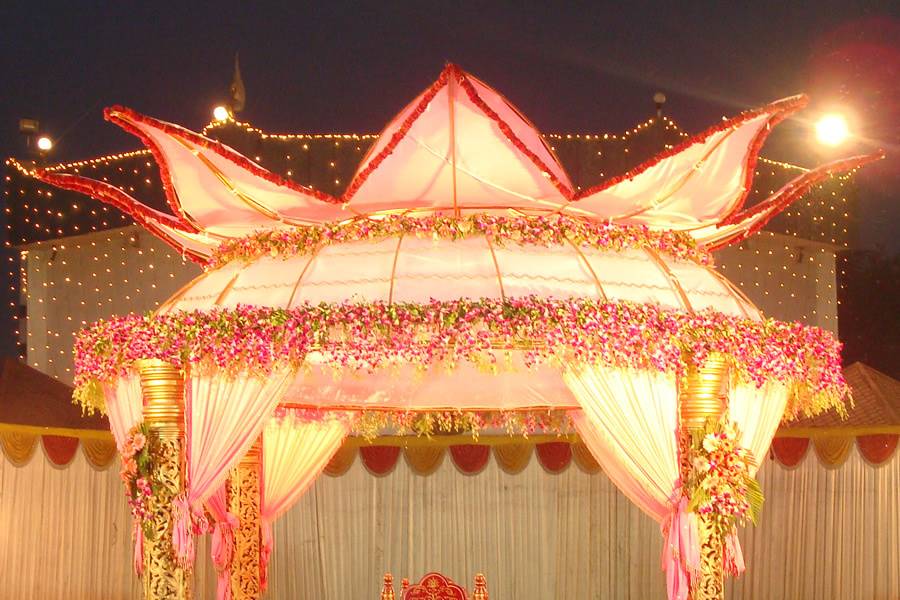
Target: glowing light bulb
(220, 113)
(44, 143)
(832, 130)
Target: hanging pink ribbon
(182, 534)
(681, 550)
(734, 556)
(222, 552)
(265, 553)
(137, 536)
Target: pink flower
(138, 441)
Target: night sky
(337, 67)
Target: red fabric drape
(379, 460)
(790, 451)
(877, 448)
(554, 456)
(470, 458)
(60, 449)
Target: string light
(99, 274)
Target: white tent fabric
(825, 533)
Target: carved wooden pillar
(243, 502)
(162, 388)
(704, 396)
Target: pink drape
(629, 421)
(225, 415)
(294, 453)
(222, 541)
(124, 405)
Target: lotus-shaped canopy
(458, 148)
(460, 234)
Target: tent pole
(162, 389)
(244, 502)
(703, 396)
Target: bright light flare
(221, 113)
(44, 143)
(832, 130)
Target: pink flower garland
(364, 337)
(535, 231)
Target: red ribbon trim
(117, 198)
(126, 118)
(779, 109)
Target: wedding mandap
(460, 285)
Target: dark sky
(349, 68)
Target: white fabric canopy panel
(411, 269)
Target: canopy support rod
(451, 88)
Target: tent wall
(825, 533)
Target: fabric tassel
(681, 550)
(734, 555)
(182, 536)
(222, 552)
(137, 536)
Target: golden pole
(162, 388)
(243, 502)
(704, 396)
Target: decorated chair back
(435, 586)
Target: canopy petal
(700, 182)
(213, 188)
(459, 146)
(196, 246)
(748, 222)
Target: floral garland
(719, 482)
(540, 231)
(364, 337)
(137, 474)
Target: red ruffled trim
(126, 118)
(109, 194)
(554, 456)
(379, 460)
(789, 193)
(60, 449)
(780, 110)
(471, 459)
(462, 78)
(790, 451)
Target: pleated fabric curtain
(124, 405)
(629, 421)
(825, 533)
(294, 454)
(225, 414)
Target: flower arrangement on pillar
(720, 488)
(137, 475)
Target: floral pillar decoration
(162, 387)
(243, 501)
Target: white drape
(293, 456)
(758, 412)
(226, 415)
(124, 405)
(629, 422)
(825, 533)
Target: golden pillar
(704, 396)
(243, 502)
(162, 388)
